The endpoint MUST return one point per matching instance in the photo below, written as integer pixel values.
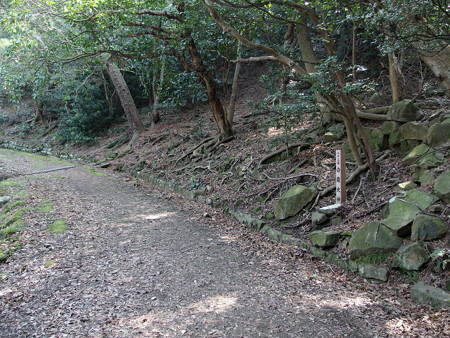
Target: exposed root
(265, 159)
(205, 147)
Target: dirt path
(133, 264)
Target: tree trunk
(196, 65)
(38, 117)
(393, 77)
(234, 88)
(439, 65)
(126, 99)
(157, 84)
(342, 103)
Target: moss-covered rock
(438, 134)
(324, 239)
(430, 295)
(373, 238)
(389, 127)
(417, 153)
(411, 256)
(294, 200)
(403, 111)
(373, 272)
(400, 212)
(441, 186)
(427, 228)
(413, 131)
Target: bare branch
(227, 28)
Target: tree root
(209, 145)
(278, 152)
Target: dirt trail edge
(132, 264)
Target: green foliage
(441, 259)
(85, 114)
(285, 110)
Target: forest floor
(139, 262)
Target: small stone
(294, 200)
(330, 210)
(431, 160)
(318, 218)
(436, 208)
(400, 212)
(329, 137)
(407, 185)
(395, 139)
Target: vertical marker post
(341, 176)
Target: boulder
(431, 160)
(373, 238)
(422, 176)
(417, 153)
(413, 131)
(389, 127)
(411, 256)
(324, 239)
(407, 145)
(400, 212)
(403, 111)
(427, 228)
(395, 139)
(441, 187)
(438, 134)
(330, 137)
(373, 272)
(294, 200)
(377, 139)
(334, 133)
(430, 295)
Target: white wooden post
(341, 176)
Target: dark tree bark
(195, 64)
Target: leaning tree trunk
(126, 99)
(196, 65)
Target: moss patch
(45, 207)
(11, 205)
(49, 263)
(40, 157)
(374, 259)
(92, 171)
(57, 227)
